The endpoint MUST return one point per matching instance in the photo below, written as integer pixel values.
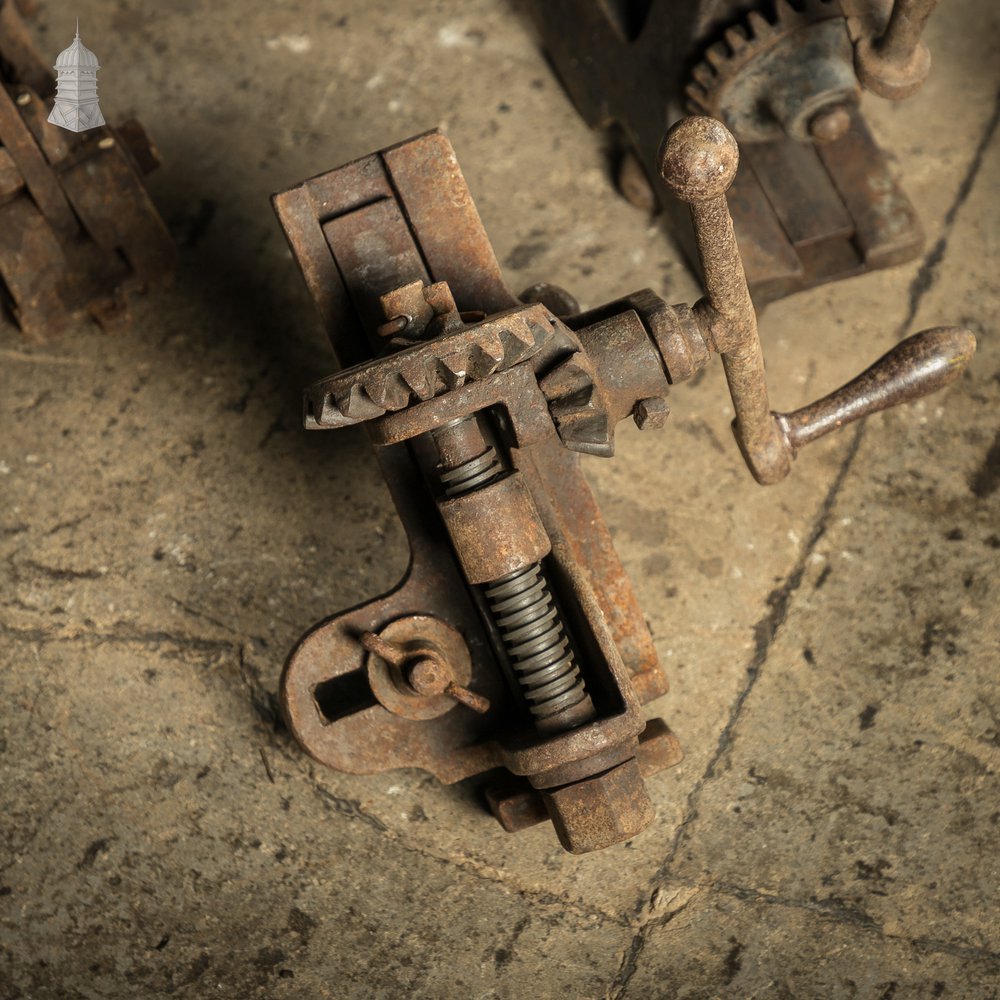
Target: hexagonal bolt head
(650, 414)
(597, 812)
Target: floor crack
(926, 275)
(779, 600)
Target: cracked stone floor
(168, 532)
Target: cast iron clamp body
(529, 652)
(816, 199)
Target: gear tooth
(704, 75)
(493, 346)
(697, 98)
(517, 342)
(587, 432)
(318, 410)
(387, 390)
(783, 10)
(736, 38)
(535, 335)
(419, 380)
(434, 378)
(521, 333)
(717, 55)
(376, 386)
(583, 401)
(340, 399)
(454, 369)
(400, 393)
(759, 26)
(354, 403)
(328, 411)
(591, 427)
(483, 360)
(570, 390)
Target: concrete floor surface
(168, 531)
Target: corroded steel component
(791, 73)
(698, 163)
(515, 640)
(895, 64)
(78, 230)
(418, 667)
(815, 199)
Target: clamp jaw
(515, 640)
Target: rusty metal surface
(378, 243)
(895, 64)
(79, 229)
(517, 805)
(921, 364)
(427, 368)
(780, 71)
(699, 158)
(18, 51)
(515, 639)
(783, 77)
(886, 228)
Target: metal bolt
(107, 142)
(597, 812)
(393, 327)
(428, 675)
(651, 413)
(829, 124)
(23, 99)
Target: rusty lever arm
(698, 161)
(916, 367)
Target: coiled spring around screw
(536, 642)
(520, 603)
(467, 476)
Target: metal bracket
(77, 227)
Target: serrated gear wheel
(427, 370)
(784, 70)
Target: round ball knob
(698, 158)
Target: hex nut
(651, 414)
(679, 339)
(597, 812)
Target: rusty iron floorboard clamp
(77, 228)
(515, 640)
(816, 200)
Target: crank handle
(916, 367)
(698, 161)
